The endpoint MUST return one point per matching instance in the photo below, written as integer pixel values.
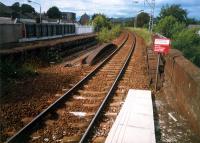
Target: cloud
(112, 8)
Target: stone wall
(182, 86)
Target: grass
(144, 33)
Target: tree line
(173, 22)
(18, 9)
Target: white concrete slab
(135, 123)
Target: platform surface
(134, 123)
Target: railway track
(130, 79)
(71, 117)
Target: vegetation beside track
(11, 69)
(106, 35)
(188, 41)
(144, 33)
(105, 29)
(173, 23)
(13, 72)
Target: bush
(177, 27)
(10, 70)
(184, 39)
(188, 41)
(106, 35)
(193, 54)
(168, 26)
(100, 22)
(115, 31)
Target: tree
(142, 19)
(94, 15)
(25, 8)
(169, 26)
(54, 12)
(177, 27)
(188, 41)
(15, 10)
(16, 7)
(129, 23)
(101, 21)
(191, 21)
(175, 11)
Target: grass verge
(144, 33)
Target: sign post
(157, 70)
(161, 46)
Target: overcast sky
(112, 8)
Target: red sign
(161, 45)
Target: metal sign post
(161, 45)
(157, 70)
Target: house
(84, 20)
(69, 17)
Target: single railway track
(72, 116)
(101, 129)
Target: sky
(111, 8)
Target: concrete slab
(135, 123)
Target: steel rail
(109, 94)
(22, 133)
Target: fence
(31, 32)
(48, 30)
(84, 29)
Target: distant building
(194, 26)
(69, 17)
(84, 19)
(6, 20)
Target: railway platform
(134, 123)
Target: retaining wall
(182, 86)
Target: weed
(13, 70)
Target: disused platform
(62, 43)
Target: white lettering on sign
(161, 45)
(162, 41)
